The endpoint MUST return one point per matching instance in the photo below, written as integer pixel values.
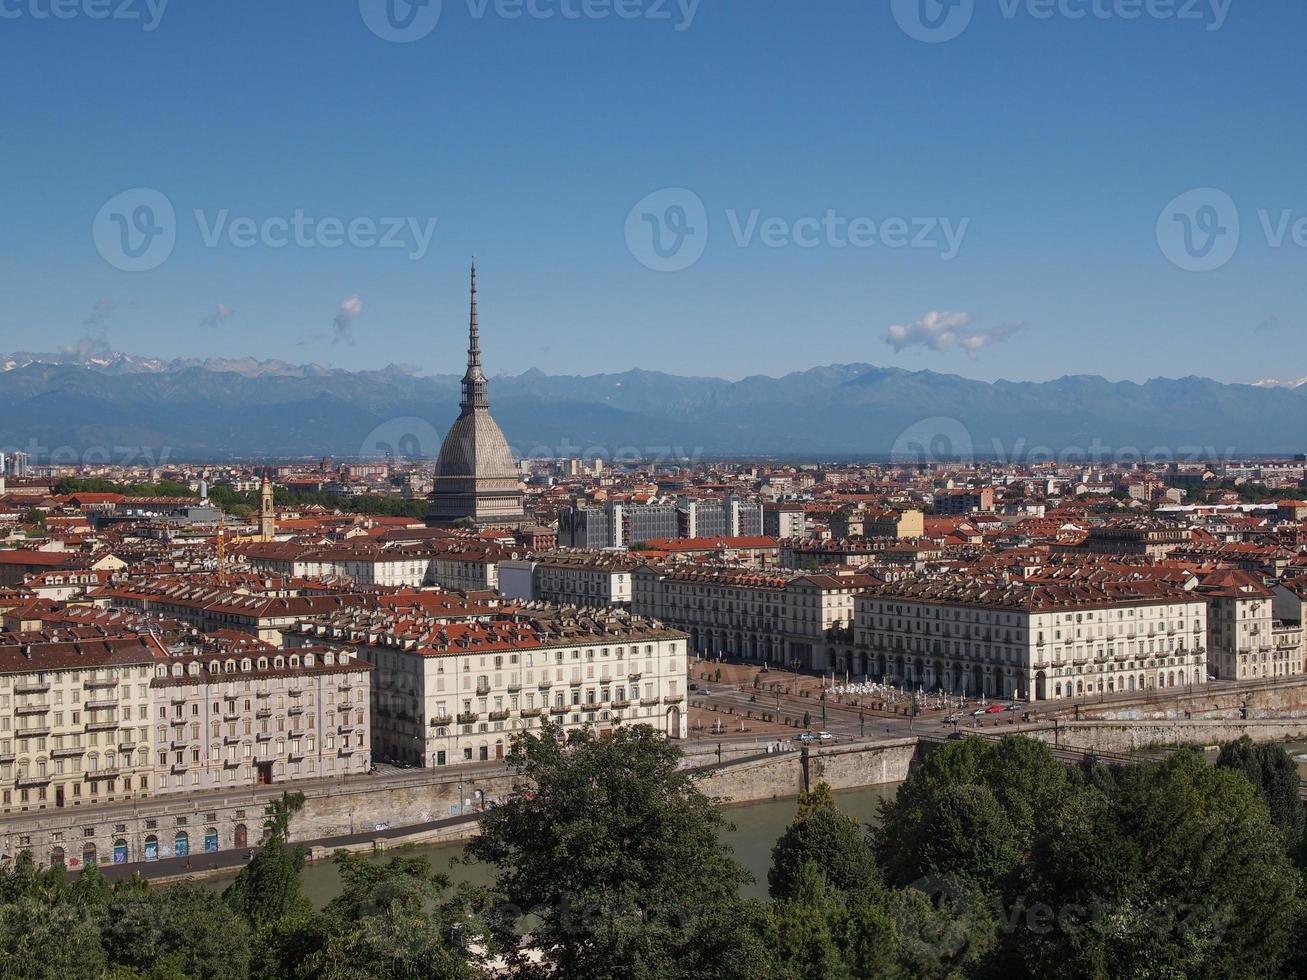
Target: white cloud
(223, 312)
(344, 322)
(943, 331)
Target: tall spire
(474, 381)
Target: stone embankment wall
(783, 774)
(1132, 736)
(1276, 699)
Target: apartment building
(593, 579)
(453, 563)
(985, 635)
(75, 719)
(1146, 539)
(1246, 641)
(618, 524)
(447, 693)
(964, 501)
(232, 712)
(775, 617)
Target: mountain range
(108, 405)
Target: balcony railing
(467, 717)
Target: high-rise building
(476, 477)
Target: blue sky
(1049, 145)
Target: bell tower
(267, 511)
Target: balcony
(36, 731)
(230, 716)
(100, 704)
(177, 768)
(545, 685)
(623, 703)
(126, 745)
(295, 709)
(102, 725)
(178, 743)
(30, 780)
(66, 751)
(673, 699)
(648, 702)
(263, 713)
(112, 773)
(31, 687)
(514, 687)
(346, 750)
(100, 682)
(558, 709)
(263, 736)
(467, 717)
(483, 690)
(32, 709)
(230, 739)
(532, 712)
(499, 716)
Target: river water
(755, 827)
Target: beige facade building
(242, 713)
(980, 635)
(1245, 643)
(75, 720)
(593, 579)
(446, 693)
(774, 617)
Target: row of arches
(155, 846)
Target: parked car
(805, 737)
(825, 737)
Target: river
(754, 829)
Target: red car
(994, 709)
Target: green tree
(822, 835)
(1004, 791)
(1177, 871)
(819, 932)
(390, 920)
(614, 852)
(269, 887)
(1275, 777)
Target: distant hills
(231, 408)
